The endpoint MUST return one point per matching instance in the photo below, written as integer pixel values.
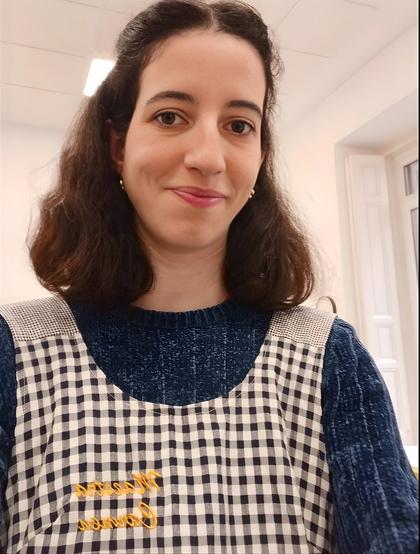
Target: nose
(205, 149)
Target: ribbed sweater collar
(229, 310)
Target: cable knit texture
(375, 491)
(187, 357)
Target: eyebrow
(185, 97)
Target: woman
(172, 396)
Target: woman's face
(192, 151)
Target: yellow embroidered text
(142, 482)
(147, 519)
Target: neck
(185, 281)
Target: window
(411, 208)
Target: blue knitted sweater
(144, 353)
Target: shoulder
(346, 355)
(35, 319)
(351, 377)
(343, 335)
(6, 343)
(302, 324)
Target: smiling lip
(201, 198)
(200, 192)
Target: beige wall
(28, 161)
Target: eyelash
(251, 127)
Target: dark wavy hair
(87, 246)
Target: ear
(116, 143)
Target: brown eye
(167, 119)
(238, 126)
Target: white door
(375, 278)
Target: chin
(195, 240)
(186, 236)
(193, 244)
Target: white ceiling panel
(43, 69)
(382, 4)
(119, 6)
(91, 3)
(301, 71)
(53, 25)
(322, 26)
(40, 108)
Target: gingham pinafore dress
(95, 470)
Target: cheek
(147, 165)
(247, 173)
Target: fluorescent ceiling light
(98, 71)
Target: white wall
(309, 149)
(28, 163)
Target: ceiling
(47, 46)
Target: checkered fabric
(95, 470)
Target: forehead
(205, 61)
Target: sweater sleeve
(7, 406)
(375, 493)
